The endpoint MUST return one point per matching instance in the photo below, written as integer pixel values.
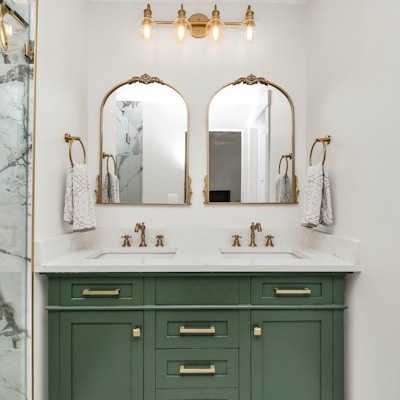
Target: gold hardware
(127, 242)
(253, 228)
(141, 227)
(70, 139)
(305, 291)
(269, 242)
(89, 292)
(197, 371)
(160, 241)
(198, 25)
(198, 331)
(108, 156)
(136, 332)
(285, 157)
(257, 331)
(325, 140)
(236, 241)
(4, 10)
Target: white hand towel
(110, 189)
(283, 189)
(318, 205)
(79, 201)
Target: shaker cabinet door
(100, 356)
(292, 355)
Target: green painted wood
(299, 356)
(225, 323)
(168, 362)
(71, 291)
(262, 290)
(197, 394)
(198, 290)
(293, 359)
(99, 358)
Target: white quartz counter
(197, 259)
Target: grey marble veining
(16, 127)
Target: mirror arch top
(144, 133)
(251, 142)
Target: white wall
(112, 53)
(61, 105)
(353, 86)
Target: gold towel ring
(108, 156)
(70, 139)
(287, 162)
(325, 140)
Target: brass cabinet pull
(198, 331)
(136, 332)
(257, 331)
(89, 292)
(292, 291)
(197, 371)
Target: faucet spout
(253, 228)
(140, 226)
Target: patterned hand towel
(79, 202)
(318, 205)
(110, 189)
(283, 189)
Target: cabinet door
(100, 355)
(292, 355)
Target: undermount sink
(259, 254)
(133, 254)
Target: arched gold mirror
(144, 144)
(250, 144)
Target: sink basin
(259, 254)
(133, 254)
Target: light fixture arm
(4, 10)
(199, 21)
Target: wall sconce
(6, 28)
(197, 26)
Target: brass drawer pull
(304, 291)
(89, 292)
(197, 331)
(196, 371)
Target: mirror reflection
(143, 144)
(250, 144)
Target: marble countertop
(196, 259)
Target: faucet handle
(126, 242)
(269, 242)
(160, 241)
(236, 241)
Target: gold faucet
(142, 227)
(253, 228)
(160, 241)
(127, 242)
(236, 240)
(269, 242)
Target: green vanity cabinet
(196, 336)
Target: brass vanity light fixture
(198, 25)
(6, 28)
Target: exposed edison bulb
(147, 25)
(215, 28)
(249, 26)
(182, 29)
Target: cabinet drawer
(99, 291)
(197, 394)
(196, 368)
(197, 290)
(197, 329)
(291, 290)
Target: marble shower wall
(16, 99)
